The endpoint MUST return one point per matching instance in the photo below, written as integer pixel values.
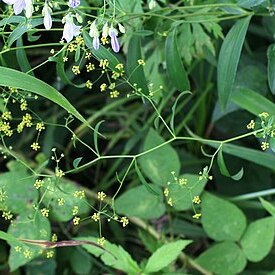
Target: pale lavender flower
(96, 42)
(46, 12)
(94, 33)
(74, 3)
(70, 29)
(29, 8)
(114, 41)
(18, 5)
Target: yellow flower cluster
(79, 194)
(101, 196)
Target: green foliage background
(172, 152)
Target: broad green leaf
(157, 165)
(9, 238)
(42, 267)
(182, 195)
(270, 208)
(139, 202)
(222, 220)
(135, 71)
(165, 255)
(27, 226)
(81, 262)
(271, 67)
(63, 190)
(150, 242)
(252, 102)
(229, 58)
(175, 68)
(224, 170)
(20, 192)
(223, 258)
(258, 239)
(16, 79)
(150, 187)
(250, 3)
(112, 255)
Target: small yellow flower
(170, 201)
(264, 115)
(75, 210)
(101, 241)
(65, 59)
(18, 248)
(96, 217)
(45, 212)
(76, 220)
(103, 87)
(79, 194)
(40, 126)
(38, 183)
(88, 56)
(54, 237)
(59, 173)
(6, 115)
(119, 66)
(35, 146)
(141, 62)
(182, 181)
(61, 201)
(265, 145)
(90, 67)
(166, 192)
(101, 196)
(251, 124)
(49, 254)
(103, 63)
(89, 84)
(76, 69)
(27, 254)
(196, 200)
(104, 40)
(114, 94)
(196, 216)
(7, 215)
(124, 221)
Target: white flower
(105, 30)
(70, 29)
(94, 33)
(29, 8)
(46, 12)
(18, 5)
(74, 3)
(114, 41)
(152, 4)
